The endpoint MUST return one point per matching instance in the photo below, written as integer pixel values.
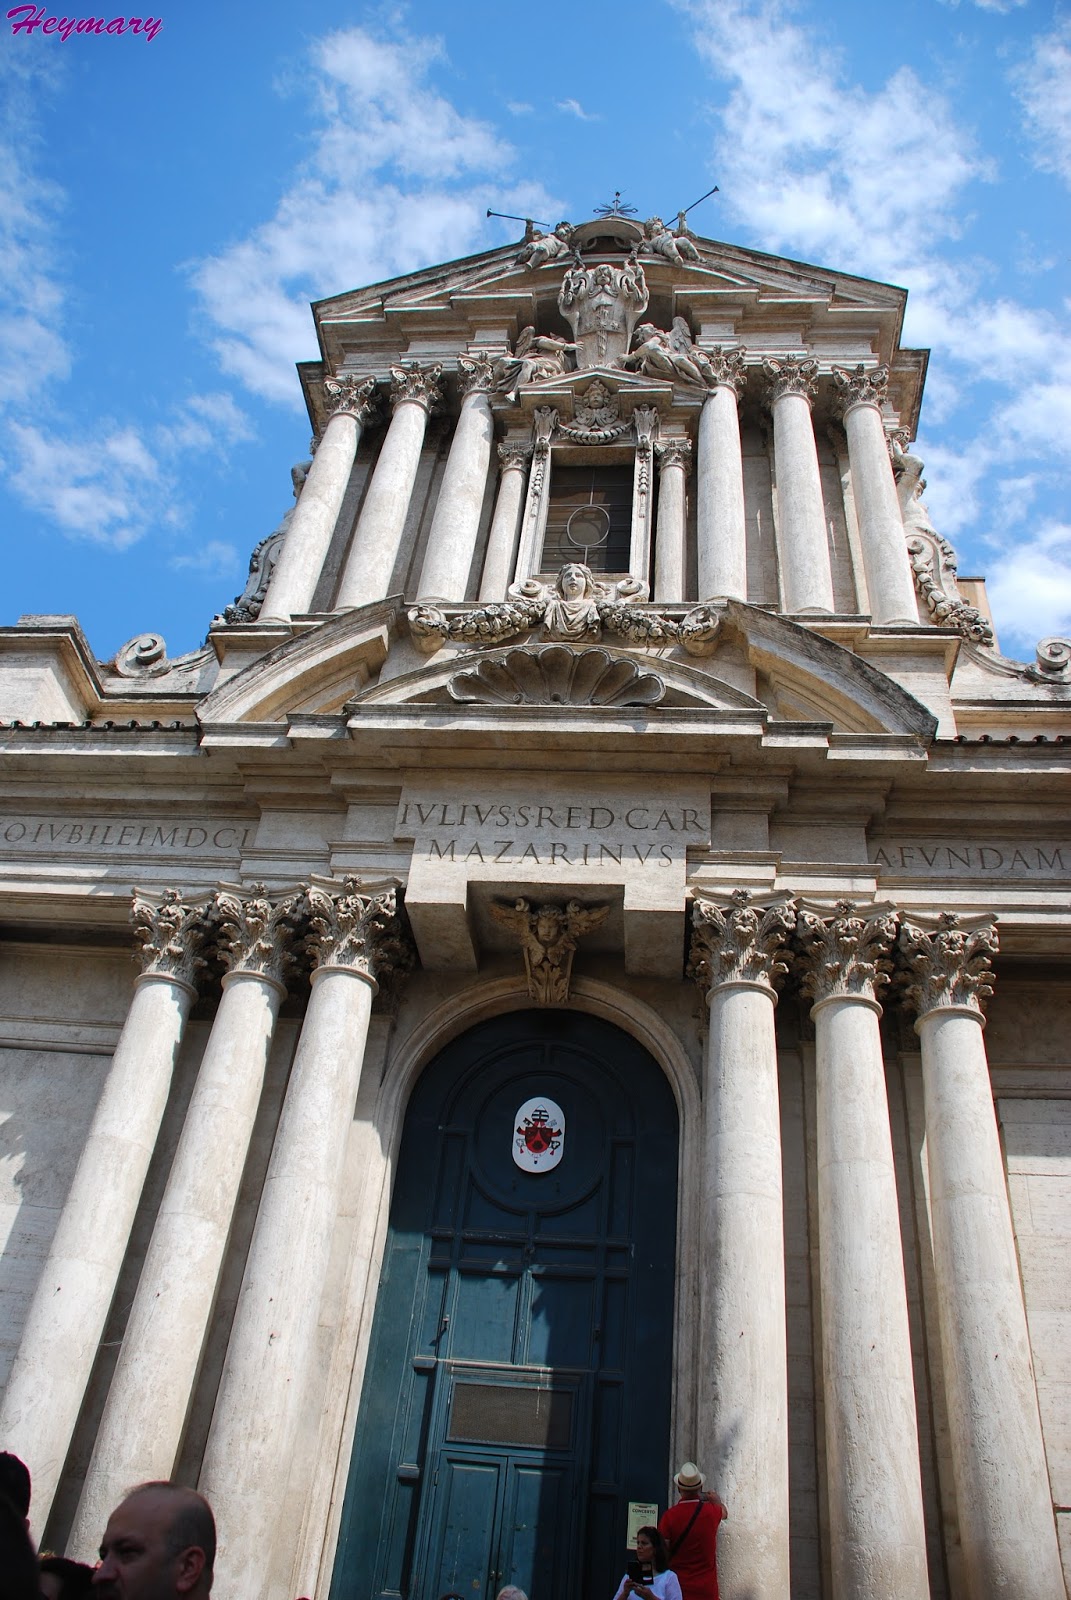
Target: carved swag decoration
(575, 608)
(548, 936)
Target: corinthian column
(350, 402)
(720, 482)
(674, 458)
(141, 1430)
(1006, 1523)
(742, 1426)
(70, 1306)
(881, 529)
(455, 523)
(877, 1535)
(806, 578)
(505, 524)
(355, 936)
(414, 390)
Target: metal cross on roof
(616, 209)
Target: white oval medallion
(539, 1134)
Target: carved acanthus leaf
(353, 394)
(411, 381)
(548, 936)
(475, 375)
(859, 386)
(790, 375)
(674, 453)
(725, 368)
(172, 936)
(947, 964)
(739, 942)
(514, 457)
(845, 955)
(253, 933)
(358, 929)
(557, 675)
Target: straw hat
(690, 1477)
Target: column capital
(475, 375)
(514, 457)
(350, 394)
(255, 936)
(674, 453)
(411, 381)
(724, 369)
(172, 936)
(845, 956)
(947, 964)
(358, 929)
(739, 941)
(860, 386)
(790, 375)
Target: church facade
(596, 991)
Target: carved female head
(575, 581)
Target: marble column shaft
(74, 1293)
(742, 1427)
(877, 1529)
(1004, 1505)
(308, 538)
(455, 523)
(720, 485)
(803, 544)
(889, 579)
(141, 1430)
(257, 1414)
(499, 563)
(377, 538)
(670, 564)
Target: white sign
(538, 1134)
(641, 1514)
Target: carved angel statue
(676, 247)
(548, 936)
(668, 355)
(537, 356)
(539, 248)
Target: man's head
(15, 1482)
(689, 1481)
(160, 1544)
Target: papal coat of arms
(539, 1135)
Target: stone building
(568, 889)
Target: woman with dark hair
(649, 1576)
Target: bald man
(160, 1544)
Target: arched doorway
(517, 1393)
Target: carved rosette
(947, 964)
(674, 453)
(358, 930)
(790, 375)
(348, 394)
(725, 369)
(172, 937)
(548, 935)
(475, 375)
(739, 942)
(860, 386)
(845, 956)
(514, 457)
(255, 936)
(416, 383)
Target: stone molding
(419, 384)
(860, 386)
(949, 964)
(548, 935)
(845, 956)
(172, 936)
(254, 934)
(358, 929)
(674, 453)
(790, 375)
(742, 940)
(350, 394)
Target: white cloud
(1029, 587)
(206, 422)
(1043, 85)
(397, 178)
(214, 559)
(102, 488)
(575, 109)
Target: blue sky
(169, 206)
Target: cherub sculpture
(540, 248)
(675, 247)
(548, 936)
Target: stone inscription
(559, 834)
(43, 835)
(1004, 858)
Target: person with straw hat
(690, 1529)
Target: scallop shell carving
(557, 676)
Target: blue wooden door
(519, 1376)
